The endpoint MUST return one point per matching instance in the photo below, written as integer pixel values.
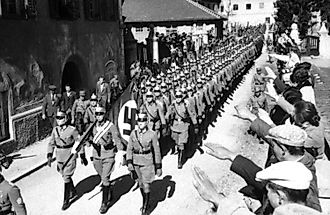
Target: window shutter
(87, 9)
(54, 8)
(75, 9)
(108, 7)
(31, 9)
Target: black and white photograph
(157, 107)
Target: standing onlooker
(68, 99)
(103, 92)
(51, 103)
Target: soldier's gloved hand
(72, 121)
(83, 159)
(43, 116)
(159, 172)
(49, 159)
(130, 167)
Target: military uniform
(63, 138)
(10, 198)
(182, 116)
(61, 141)
(78, 112)
(106, 142)
(143, 152)
(156, 116)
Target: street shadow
(166, 145)
(87, 185)
(160, 190)
(120, 186)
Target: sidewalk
(33, 158)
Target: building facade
(58, 42)
(250, 12)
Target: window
(222, 8)
(106, 10)
(64, 9)
(248, 6)
(267, 19)
(18, 9)
(235, 7)
(261, 5)
(139, 30)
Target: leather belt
(64, 147)
(142, 152)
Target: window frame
(23, 9)
(248, 6)
(263, 5)
(59, 8)
(235, 7)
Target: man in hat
(156, 117)
(11, 201)
(103, 92)
(51, 103)
(68, 98)
(62, 140)
(143, 157)
(286, 144)
(89, 117)
(285, 183)
(181, 116)
(257, 100)
(258, 80)
(107, 148)
(78, 111)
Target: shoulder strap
(137, 139)
(102, 131)
(58, 134)
(176, 111)
(153, 117)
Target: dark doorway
(71, 75)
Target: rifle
(81, 143)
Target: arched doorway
(71, 75)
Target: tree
(302, 9)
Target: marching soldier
(89, 117)
(156, 118)
(181, 116)
(11, 201)
(78, 111)
(107, 148)
(143, 157)
(62, 140)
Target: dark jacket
(50, 106)
(67, 102)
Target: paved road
(173, 193)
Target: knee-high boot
(105, 199)
(66, 201)
(180, 155)
(143, 197)
(146, 204)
